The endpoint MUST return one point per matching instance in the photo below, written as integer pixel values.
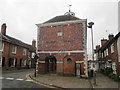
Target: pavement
(103, 81)
(26, 79)
(62, 81)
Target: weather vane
(69, 8)
(70, 13)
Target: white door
(77, 69)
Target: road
(17, 79)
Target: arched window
(69, 60)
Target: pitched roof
(62, 18)
(14, 41)
(109, 42)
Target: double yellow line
(27, 76)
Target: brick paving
(63, 81)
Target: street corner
(30, 77)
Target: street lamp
(90, 24)
(35, 58)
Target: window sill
(13, 53)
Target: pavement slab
(103, 81)
(63, 81)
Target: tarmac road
(17, 79)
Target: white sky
(22, 15)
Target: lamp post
(35, 58)
(90, 24)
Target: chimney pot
(3, 28)
(97, 47)
(103, 41)
(111, 36)
(34, 43)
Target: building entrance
(50, 64)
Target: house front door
(78, 73)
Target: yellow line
(27, 76)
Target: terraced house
(108, 53)
(15, 54)
(62, 45)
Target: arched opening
(50, 62)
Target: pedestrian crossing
(18, 79)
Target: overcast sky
(22, 15)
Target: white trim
(80, 51)
(23, 63)
(59, 62)
(56, 62)
(15, 48)
(112, 48)
(24, 51)
(1, 60)
(61, 23)
(41, 61)
(79, 61)
(2, 49)
(118, 44)
(14, 62)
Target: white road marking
(1, 77)
(19, 79)
(28, 80)
(10, 78)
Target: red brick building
(108, 53)
(15, 54)
(62, 45)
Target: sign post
(35, 58)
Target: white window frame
(33, 54)
(99, 54)
(59, 34)
(102, 55)
(2, 47)
(23, 63)
(13, 62)
(114, 67)
(112, 48)
(0, 61)
(118, 47)
(14, 49)
(29, 56)
(24, 51)
(107, 52)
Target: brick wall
(112, 56)
(7, 53)
(72, 39)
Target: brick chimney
(3, 29)
(111, 36)
(97, 47)
(34, 43)
(103, 41)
